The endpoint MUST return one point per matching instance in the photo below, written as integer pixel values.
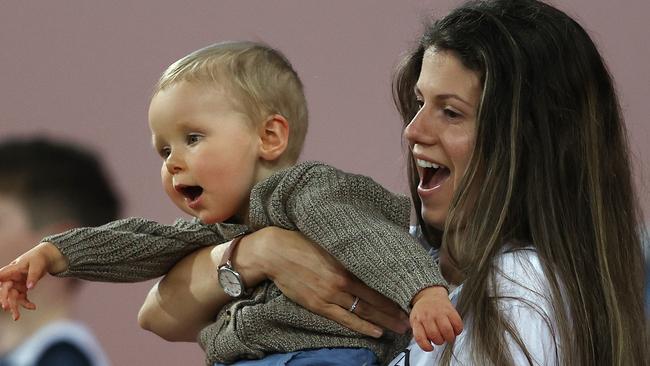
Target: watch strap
(228, 254)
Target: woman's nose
(417, 130)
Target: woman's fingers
(352, 321)
(311, 277)
(378, 309)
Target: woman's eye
(450, 113)
(193, 138)
(419, 103)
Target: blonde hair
(260, 79)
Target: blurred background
(84, 70)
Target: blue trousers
(315, 357)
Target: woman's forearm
(188, 298)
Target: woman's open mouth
(432, 175)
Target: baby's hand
(24, 272)
(434, 318)
(14, 295)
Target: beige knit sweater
(355, 219)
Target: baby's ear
(274, 137)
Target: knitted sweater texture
(360, 223)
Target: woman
(520, 175)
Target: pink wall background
(83, 70)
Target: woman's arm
(189, 297)
(186, 299)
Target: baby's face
(209, 151)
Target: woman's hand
(311, 277)
(189, 296)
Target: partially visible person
(228, 122)
(646, 246)
(47, 186)
(521, 176)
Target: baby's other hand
(434, 318)
(12, 296)
(24, 272)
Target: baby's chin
(211, 219)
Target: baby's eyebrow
(155, 143)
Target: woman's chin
(434, 219)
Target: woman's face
(441, 135)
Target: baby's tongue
(433, 177)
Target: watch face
(230, 282)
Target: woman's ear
(274, 137)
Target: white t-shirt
(524, 288)
(72, 332)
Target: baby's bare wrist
(439, 292)
(56, 261)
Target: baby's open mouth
(432, 174)
(191, 192)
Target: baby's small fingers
(25, 303)
(446, 330)
(13, 304)
(420, 337)
(456, 323)
(433, 333)
(34, 274)
(4, 292)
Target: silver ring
(354, 304)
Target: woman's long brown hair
(550, 169)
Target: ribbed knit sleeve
(135, 249)
(356, 220)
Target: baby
(228, 122)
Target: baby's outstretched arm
(22, 274)
(434, 318)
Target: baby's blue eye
(165, 152)
(193, 138)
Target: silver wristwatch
(230, 280)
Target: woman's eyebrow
(418, 94)
(456, 97)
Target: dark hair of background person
(56, 181)
(550, 168)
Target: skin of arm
(187, 300)
(173, 307)
(188, 297)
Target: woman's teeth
(426, 164)
(432, 174)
